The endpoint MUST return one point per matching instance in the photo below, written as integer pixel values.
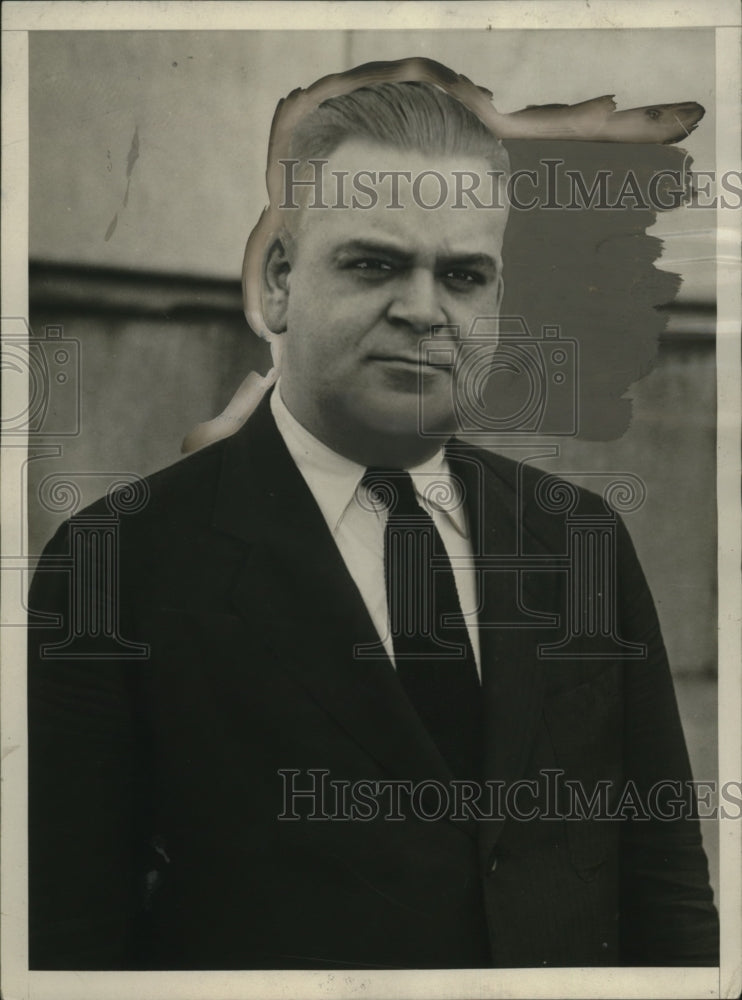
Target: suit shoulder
(180, 492)
(188, 481)
(520, 479)
(539, 500)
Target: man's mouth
(416, 361)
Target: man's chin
(393, 414)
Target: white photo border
(21, 17)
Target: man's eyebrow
(373, 246)
(482, 261)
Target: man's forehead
(410, 231)
(405, 197)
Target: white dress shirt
(358, 528)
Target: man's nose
(416, 301)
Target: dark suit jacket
(155, 785)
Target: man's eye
(370, 265)
(463, 279)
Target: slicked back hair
(410, 116)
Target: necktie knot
(393, 490)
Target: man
(264, 790)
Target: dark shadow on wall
(577, 257)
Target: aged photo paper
(137, 218)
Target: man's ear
(275, 284)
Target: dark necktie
(434, 658)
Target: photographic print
(371, 535)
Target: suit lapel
(295, 585)
(511, 627)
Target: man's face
(364, 287)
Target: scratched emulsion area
(131, 159)
(590, 271)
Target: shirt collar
(334, 479)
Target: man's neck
(372, 446)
